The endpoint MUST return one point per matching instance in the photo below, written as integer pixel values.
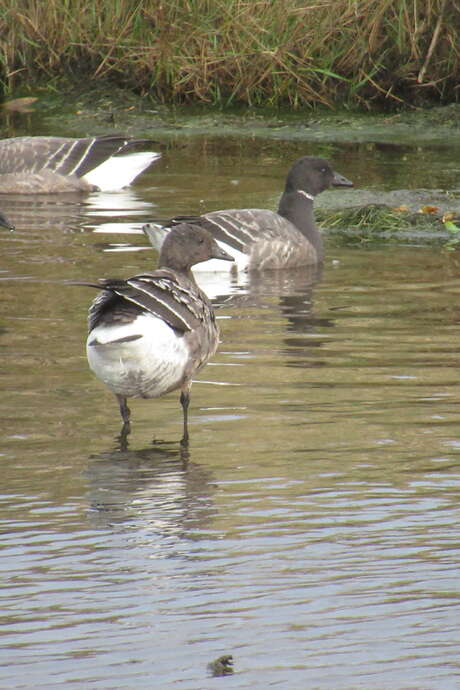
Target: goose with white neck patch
(261, 239)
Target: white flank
(143, 368)
(219, 266)
(119, 171)
(218, 285)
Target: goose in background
(5, 223)
(262, 239)
(51, 165)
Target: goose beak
(219, 253)
(341, 181)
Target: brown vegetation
(274, 52)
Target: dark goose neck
(183, 274)
(175, 258)
(297, 207)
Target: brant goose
(48, 165)
(149, 334)
(261, 239)
(5, 223)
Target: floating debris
(222, 666)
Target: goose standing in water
(149, 334)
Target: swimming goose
(5, 223)
(148, 335)
(262, 239)
(49, 165)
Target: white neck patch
(306, 194)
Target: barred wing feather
(59, 154)
(183, 307)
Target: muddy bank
(96, 111)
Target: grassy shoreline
(368, 54)
(379, 223)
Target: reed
(259, 52)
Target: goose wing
(176, 301)
(241, 228)
(61, 155)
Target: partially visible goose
(148, 335)
(260, 239)
(49, 165)
(5, 223)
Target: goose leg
(123, 437)
(124, 410)
(184, 401)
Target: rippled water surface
(311, 530)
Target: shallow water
(311, 530)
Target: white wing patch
(119, 171)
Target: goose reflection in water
(293, 291)
(121, 212)
(158, 485)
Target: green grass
(379, 223)
(259, 52)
